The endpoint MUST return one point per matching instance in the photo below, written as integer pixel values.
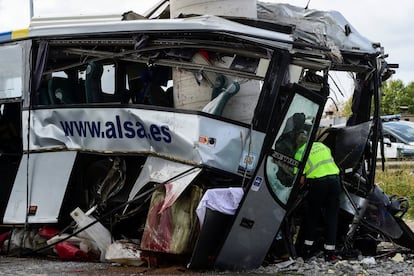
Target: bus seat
(93, 86)
(157, 96)
(43, 98)
(60, 91)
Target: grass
(398, 181)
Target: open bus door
(267, 199)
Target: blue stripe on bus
(6, 36)
(16, 34)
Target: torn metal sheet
(189, 138)
(328, 28)
(157, 170)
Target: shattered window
(281, 165)
(209, 78)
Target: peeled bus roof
(319, 28)
(200, 23)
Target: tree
(395, 95)
(409, 97)
(346, 108)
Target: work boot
(308, 251)
(350, 254)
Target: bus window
(99, 82)
(280, 166)
(10, 130)
(11, 58)
(93, 83)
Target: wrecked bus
(179, 133)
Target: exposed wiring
(107, 214)
(337, 109)
(336, 85)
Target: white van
(398, 139)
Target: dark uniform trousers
(324, 195)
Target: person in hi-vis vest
(321, 174)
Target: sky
(388, 24)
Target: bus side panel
(8, 170)
(254, 228)
(45, 185)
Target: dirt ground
(42, 266)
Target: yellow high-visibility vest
(320, 162)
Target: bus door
(12, 83)
(265, 202)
